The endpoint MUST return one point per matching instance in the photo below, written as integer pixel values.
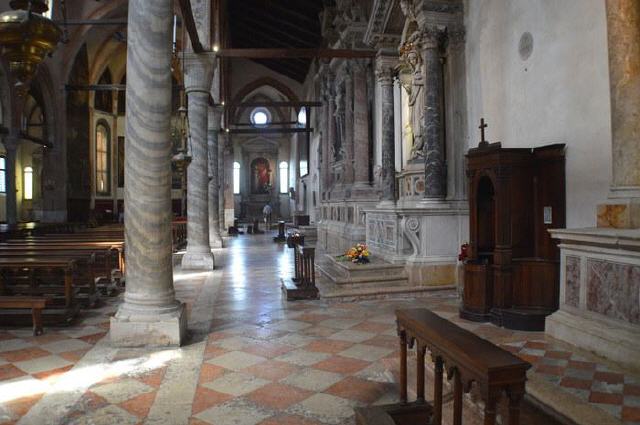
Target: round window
(260, 117)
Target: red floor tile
(357, 389)
(278, 396)
(22, 405)
(605, 398)
(562, 355)
(328, 346)
(339, 364)
(575, 364)
(9, 371)
(53, 374)
(550, 370)
(609, 377)
(139, 405)
(153, 378)
(631, 414)
(272, 370)
(24, 354)
(206, 398)
(570, 382)
(209, 372)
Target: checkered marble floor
(261, 360)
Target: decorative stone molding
(378, 20)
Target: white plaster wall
(560, 94)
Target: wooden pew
(35, 304)
(52, 278)
(466, 358)
(95, 268)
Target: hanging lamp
(26, 37)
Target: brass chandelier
(26, 37)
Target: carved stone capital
(386, 69)
(215, 114)
(456, 36)
(432, 37)
(198, 72)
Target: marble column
(435, 173)
(385, 74)
(360, 124)
(215, 241)
(11, 148)
(221, 185)
(623, 24)
(197, 82)
(150, 314)
(330, 130)
(348, 126)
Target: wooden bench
(35, 304)
(466, 357)
(52, 278)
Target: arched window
(3, 174)
(103, 100)
(260, 117)
(49, 12)
(103, 159)
(28, 183)
(284, 177)
(236, 178)
(302, 117)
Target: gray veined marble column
(11, 148)
(198, 76)
(150, 314)
(435, 172)
(215, 241)
(385, 74)
(361, 149)
(349, 173)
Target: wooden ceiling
(277, 24)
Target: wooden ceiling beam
(256, 23)
(190, 25)
(274, 22)
(270, 130)
(294, 53)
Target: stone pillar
(330, 131)
(348, 126)
(198, 76)
(360, 124)
(385, 73)
(215, 241)
(150, 314)
(435, 173)
(11, 147)
(221, 184)
(623, 22)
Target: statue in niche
(415, 89)
(260, 176)
(339, 117)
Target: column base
(197, 261)
(215, 243)
(149, 330)
(614, 340)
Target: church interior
(272, 212)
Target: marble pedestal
(599, 292)
(155, 329)
(424, 236)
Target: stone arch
(256, 85)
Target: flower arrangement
(359, 254)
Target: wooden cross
(483, 125)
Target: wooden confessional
(512, 271)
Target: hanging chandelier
(26, 37)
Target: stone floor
(253, 358)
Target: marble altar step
(378, 279)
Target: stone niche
(599, 292)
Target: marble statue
(416, 99)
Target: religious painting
(260, 176)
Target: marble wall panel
(572, 281)
(613, 289)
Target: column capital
(456, 35)
(432, 37)
(198, 72)
(386, 68)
